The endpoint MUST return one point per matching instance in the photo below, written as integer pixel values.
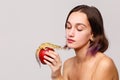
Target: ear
(92, 37)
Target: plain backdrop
(25, 24)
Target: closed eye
(68, 26)
(79, 27)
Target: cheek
(83, 36)
(66, 33)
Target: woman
(85, 34)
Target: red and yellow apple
(42, 54)
(43, 48)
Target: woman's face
(78, 30)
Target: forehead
(78, 17)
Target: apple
(42, 54)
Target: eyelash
(71, 27)
(79, 29)
(68, 27)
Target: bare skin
(99, 67)
(83, 66)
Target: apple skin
(42, 54)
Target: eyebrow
(78, 24)
(81, 24)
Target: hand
(53, 60)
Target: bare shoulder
(106, 62)
(69, 62)
(106, 69)
(67, 67)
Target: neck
(82, 54)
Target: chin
(71, 46)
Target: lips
(70, 40)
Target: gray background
(25, 24)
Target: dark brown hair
(100, 42)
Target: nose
(71, 32)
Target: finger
(50, 60)
(57, 57)
(48, 63)
(50, 54)
(54, 56)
